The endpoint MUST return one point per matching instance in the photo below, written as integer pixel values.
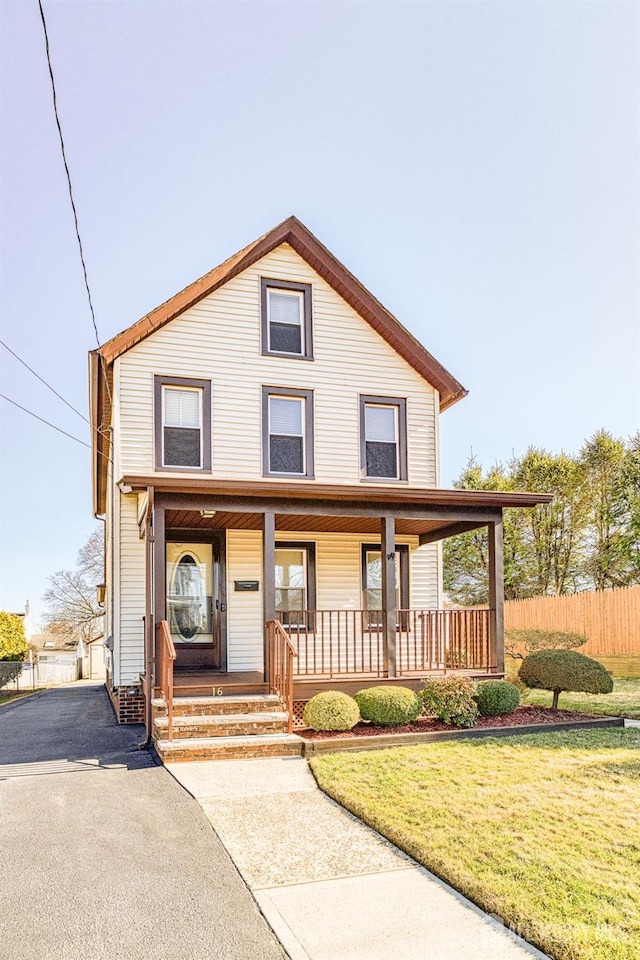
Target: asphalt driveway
(103, 854)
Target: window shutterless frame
(306, 398)
(402, 587)
(187, 383)
(291, 618)
(398, 405)
(273, 332)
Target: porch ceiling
(311, 523)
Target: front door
(195, 603)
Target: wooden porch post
(389, 615)
(159, 577)
(496, 595)
(268, 578)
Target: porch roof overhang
(430, 514)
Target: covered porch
(313, 645)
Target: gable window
(383, 438)
(286, 318)
(287, 432)
(182, 423)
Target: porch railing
(339, 643)
(429, 640)
(281, 654)
(166, 655)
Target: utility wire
(52, 425)
(42, 380)
(66, 168)
(73, 205)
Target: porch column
(159, 577)
(268, 577)
(389, 614)
(496, 595)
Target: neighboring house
(265, 452)
(53, 658)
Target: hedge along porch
(337, 644)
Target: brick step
(215, 706)
(208, 689)
(230, 748)
(222, 725)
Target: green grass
(541, 830)
(624, 701)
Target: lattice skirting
(298, 710)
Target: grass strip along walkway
(542, 830)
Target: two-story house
(265, 456)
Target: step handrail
(280, 656)
(166, 659)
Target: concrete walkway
(103, 855)
(330, 886)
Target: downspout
(149, 625)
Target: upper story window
(182, 423)
(287, 432)
(286, 318)
(383, 438)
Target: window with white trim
(286, 318)
(287, 432)
(383, 438)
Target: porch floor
(206, 683)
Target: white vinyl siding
(132, 592)
(338, 583)
(219, 339)
(245, 626)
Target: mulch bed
(523, 716)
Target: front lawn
(542, 830)
(624, 701)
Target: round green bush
(331, 711)
(560, 670)
(389, 706)
(450, 699)
(495, 697)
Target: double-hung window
(286, 318)
(182, 423)
(383, 438)
(372, 581)
(295, 584)
(287, 432)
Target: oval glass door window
(188, 600)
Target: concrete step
(222, 725)
(214, 706)
(230, 748)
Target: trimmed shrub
(331, 710)
(559, 670)
(496, 697)
(389, 706)
(450, 699)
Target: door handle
(223, 607)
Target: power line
(42, 380)
(52, 425)
(66, 168)
(73, 205)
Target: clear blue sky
(473, 163)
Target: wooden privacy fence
(609, 618)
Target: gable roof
(294, 233)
